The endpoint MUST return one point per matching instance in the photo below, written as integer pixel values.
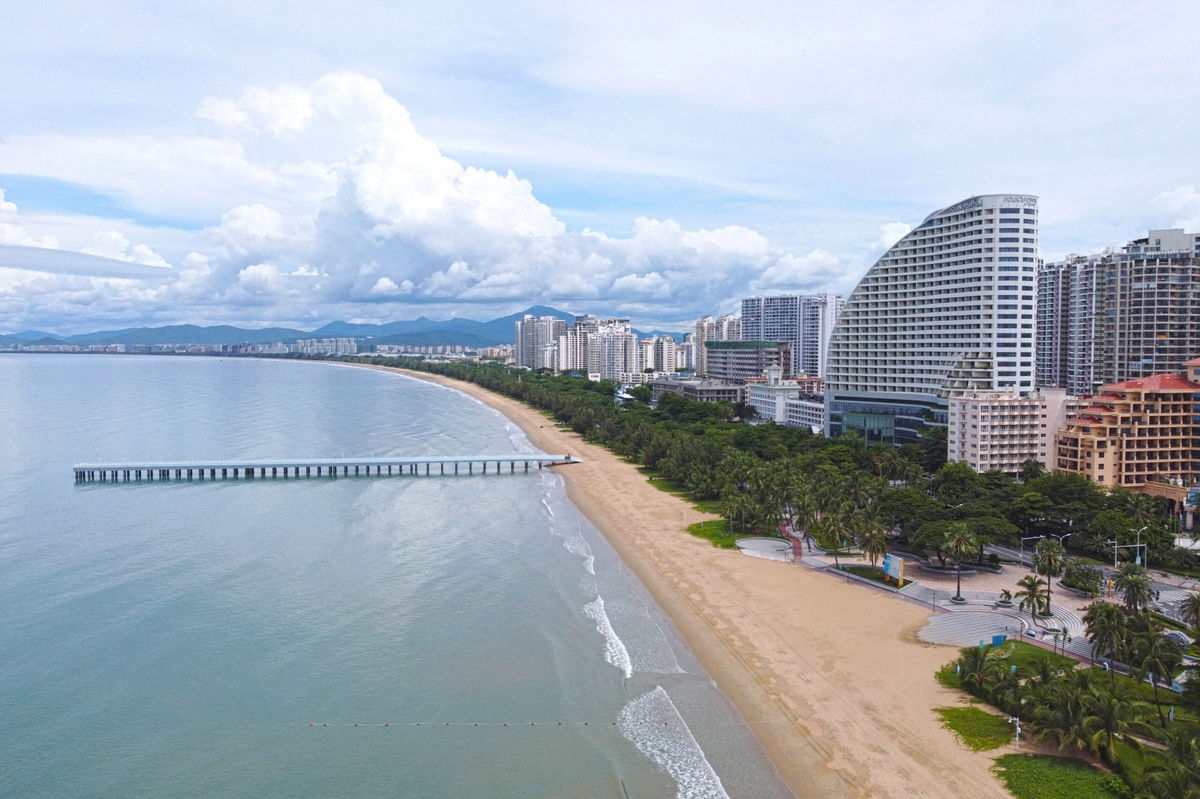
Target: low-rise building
(698, 390)
(807, 412)
(770, 393)
(1001, 429)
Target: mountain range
(417, 332)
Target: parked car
(1178, 637)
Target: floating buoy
(311, 724)
(386, 724)
(477, 724)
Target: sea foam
(614, 649)
(653, 724)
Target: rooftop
(1164, 382)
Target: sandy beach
(829, 675)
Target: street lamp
(1023, 540)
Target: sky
(294, 163)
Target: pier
(313, 467)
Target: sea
(470, 636)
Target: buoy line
(502, 724)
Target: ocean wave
(652, 723)
(614, 648)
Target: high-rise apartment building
(573, 344)
(805, 321)
(613, 350)
(949, 309)
(1126, 313)
(537, 341)
(738, 361)
(726, 327)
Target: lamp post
(1023, 540)
(1142, 558)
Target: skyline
(659, 163)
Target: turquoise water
(179, 639)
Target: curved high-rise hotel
(948, 310)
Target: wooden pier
(313, 467)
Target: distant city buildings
(327, 346)
(1122, 314)
(537, 341)
(726, 327)
(805, 321)
(948, 310)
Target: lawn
(875, 574)
(977, 729)
(676, 490)
(1024, 656)
(1046, 777)
(715, 532)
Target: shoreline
(830, 679)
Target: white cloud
(890, 233)
(111, 244)
(385, 217)
(1183, 204)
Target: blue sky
(295, 163)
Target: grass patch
(1024, 656)
(712, 506)
(875, 574)
(1047, 777)
(977, 729)
(948, 677)
(715, 532)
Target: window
(1012, 239)
(1010, 210)
(1009, 249)
(1008, 221)
(1010, 258)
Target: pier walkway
(313, 467)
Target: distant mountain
(33, 335)
(418, 332)
(190, 334)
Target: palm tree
(978, 668)
(1060, 719)
(1049, 553)
(1178, 774)
(1160, 660)
(1033, 595)
(1110, 716)
(1137, 590)
(959, 541)
(1189, 610)
(1107, 627)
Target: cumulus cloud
(890, 233)
(386, 218)
(1183, 203)
(111, 244)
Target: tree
(1032, 595)
(959, 541)
(1136, 587)
(872, 539)
(1161, 660)
(957, 483)
(1049, 553)
(1189, 610)
(1110, 717)
(1031, 469)
(1106, 627)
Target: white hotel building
(948, 310)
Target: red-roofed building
(1141, 434)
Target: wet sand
(829, 675)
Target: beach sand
(829, 675)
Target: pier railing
(313, 467)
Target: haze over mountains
(418, 332)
